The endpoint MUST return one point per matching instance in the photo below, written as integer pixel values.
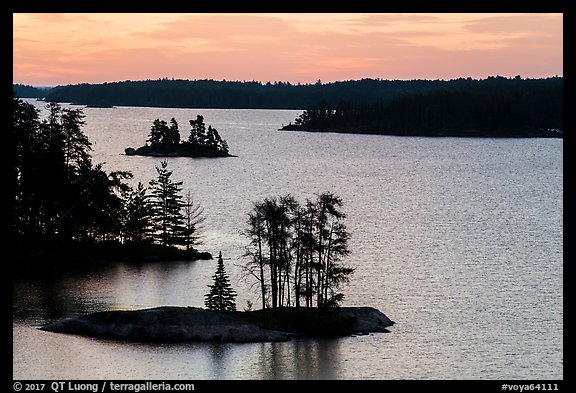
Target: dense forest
(498, 107)
(178, 93)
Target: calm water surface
(460, 241)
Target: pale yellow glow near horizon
(52, 49)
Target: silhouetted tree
(331, 246)
(297, 251)
(173, 134)
(164, 135)
(193, 217)
(197, 131)
(59, 194)
(95, 213)
(76, 143)
(165, 140)
(138, 222)
(277, 221)
(208, 138)
(257, 263)
(304, 245)
(166, 206)
(221, 296)
(28, 149)
(223, 146)
(157, 132)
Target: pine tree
(137, 222)
(221, 296)
(166, 204)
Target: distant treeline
(178, 93)
(27, 91)
(496, 107)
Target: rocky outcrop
(367, 319)
(183, 149)
(166, 324)
(196, 324)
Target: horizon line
(318, 82)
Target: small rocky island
(175, 324)
(164, 141)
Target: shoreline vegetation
(80, 255)
(181, 324)
(67, 212)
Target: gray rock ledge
(368, 319)
(170, 323)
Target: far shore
(548, 133)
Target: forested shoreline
(66, 208)
(506, 110)
(179, 93)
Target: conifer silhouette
(221, 296)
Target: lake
(457, 240)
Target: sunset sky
(58, 49)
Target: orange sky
(51, 49)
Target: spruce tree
(221, 296)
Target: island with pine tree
(164, 141)
(317, 272)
